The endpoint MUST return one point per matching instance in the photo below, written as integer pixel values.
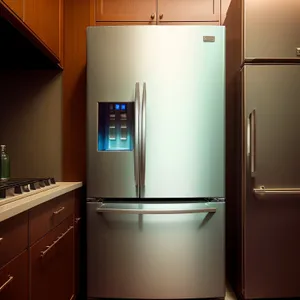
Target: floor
(230, 294)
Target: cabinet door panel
(16, 6)
(125, 10)
(45, 19)
(189, 10)
(14, 279)
(52, 273)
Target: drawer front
(14, 279)
(13, 237)
(48, 215)
(186, 249)
(52, 262)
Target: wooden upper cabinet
(189, 10)
(16, 6)
(126, 10)
(45, 19)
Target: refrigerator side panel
(272, 120)
(271, 29)
(185, 114)
(114, 67)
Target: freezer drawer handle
(277, 191)
(156, 211)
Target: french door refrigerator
(263, 148)
(155, 162)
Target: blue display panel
(115, 126)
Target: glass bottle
(4, 164)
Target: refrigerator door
(114, 70)
(271, 29)
(272, 186)
(156, 251)
(183, 114)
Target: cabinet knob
(161, 16)
(152, 16)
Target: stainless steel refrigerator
(156, 162)
(263, 148)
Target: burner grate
(23, 185)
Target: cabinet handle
(152, 16)
(161, 16)
(1, 239)
(48, 248)
(59, 211)
(77, 220)
(9, 280)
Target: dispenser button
(112, 116)
(112, 133)
(123, 132)
(123, 116)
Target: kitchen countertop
(13, 208)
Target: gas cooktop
(20, 186)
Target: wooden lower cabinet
(52, 264)
(14, 281)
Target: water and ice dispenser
(115, 126)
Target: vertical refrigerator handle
(252, 140)
(143, 141)
(137, 139)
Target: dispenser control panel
(115, 126)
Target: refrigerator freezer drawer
(156, 251)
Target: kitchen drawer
(48, 215)
(52, 264)
(13, 237)
(14, 279)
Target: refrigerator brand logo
(209, 39)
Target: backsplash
(31, 122)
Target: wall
(31, 122)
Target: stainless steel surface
(271, 29)
(276, 191)
(271, 218)
(185, 115)
(252, 117)
(274, 92)
(143, 139)
(104, 209)
(156, 256)
(136, 139)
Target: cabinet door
(189, 10)
(126, 10)
(45, 19)
(14, 279)
(16, 6)
(52, 264)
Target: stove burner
(19, 186)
